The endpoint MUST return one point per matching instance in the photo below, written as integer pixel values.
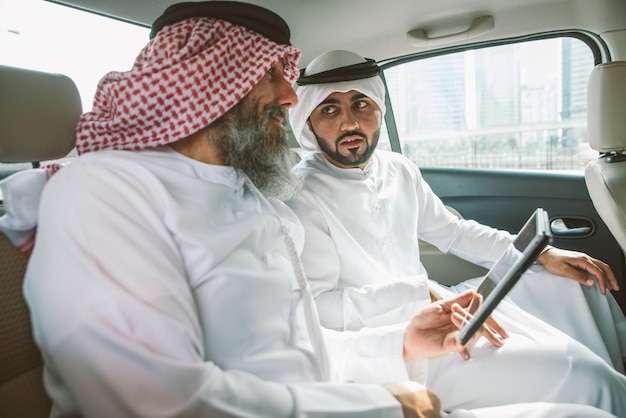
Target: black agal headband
(257, 18)
(366, 69)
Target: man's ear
(310, 125)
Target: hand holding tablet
(500, 279)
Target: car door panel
(504, 199)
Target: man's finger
(495, 325)
(462, 299)
(460, 318)
(603, 274)
(587, 274)
(492, 336)
(464, 354)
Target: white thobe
(362, 259)
(161, 286)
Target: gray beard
(248, 144)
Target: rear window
(44, 36)
(515, 106)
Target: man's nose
(349, 122)
(285, 96)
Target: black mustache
(352, 133)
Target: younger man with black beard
(364, 211)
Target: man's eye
(328, 110)
(360, 104)
(270, 73)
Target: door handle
(572, 227)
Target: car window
(514, 106)
(40, 35)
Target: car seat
(38, 113)
(606, 123)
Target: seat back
(606, 124)
(38, 113)
(21, 386)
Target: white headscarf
(310, 96)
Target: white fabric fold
(21, 193)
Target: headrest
(38, 114)
(606, 107)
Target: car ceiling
(377, 29)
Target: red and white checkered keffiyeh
(190, 74)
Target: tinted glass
(517, 106)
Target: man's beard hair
(251, 143)
(352, 160)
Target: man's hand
(432, 331)
(580, 267)
(492, 330)
(416, 401)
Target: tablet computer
(500, 279)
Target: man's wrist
(541, 256)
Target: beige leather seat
(38, 112)
(606, 124)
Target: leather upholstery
(38, 112)
(606, 176)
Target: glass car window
(44, 36)
(516, 106)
